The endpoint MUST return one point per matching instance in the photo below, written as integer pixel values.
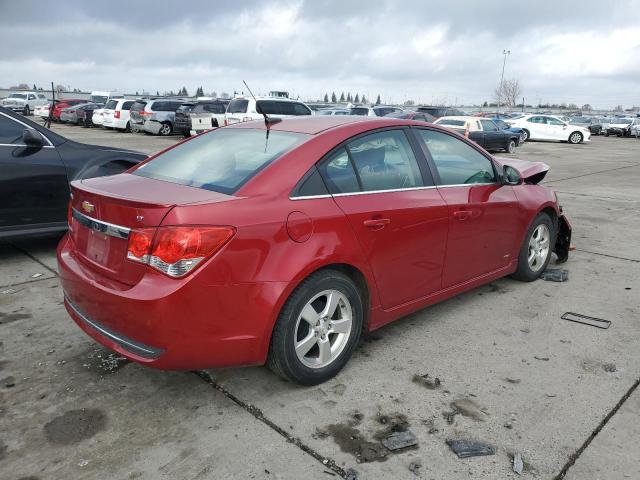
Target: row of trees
(348, 98)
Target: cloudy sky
(429, 51)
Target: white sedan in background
(548, 127)
(41, 111)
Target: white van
(101, 96)
(243, 109)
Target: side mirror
(32, 138)
(511, 176)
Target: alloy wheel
(575, 137)
(538, 247)
(323, 328)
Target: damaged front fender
(563, 240)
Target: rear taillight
(176, 251)
(226, 122)
(143, 113)
(247, 119)
(116, 114)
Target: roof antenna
(268, 121)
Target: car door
(537, 127)
(493, 138)
(395, 211)
(483, 213)
(34, 189)
(557, 129)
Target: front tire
(26, 111)
(318, 329)
(511, 146)
(536, 249)
(575, 138)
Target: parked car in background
(88, 114)
(635, 130)
(245, 109)
(333, 111)
(438, 112)
(397, 217)
(412, 115)
(547, 127)
(71, 114)
(483, 131)
(103, 96)
(375, 111)
(36, 166)
(116, 114)
(592, 123)
(621, 127)
(502, 125)
(206, 115)
(182, 122)
(154, 116)
(97, 117)
(24, 102)
(42, 111)
(494, 115)
(64, 103)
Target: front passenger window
(457, 162)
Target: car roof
(463, 118)
(313, 125)
(275, 99)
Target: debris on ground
(512, 380)
(586, 320)
(425, 381)
(9, 291)
(37, 275)
(544, 359)
(468, 408)
(414, 467)
(466, 448)
(351, 475)
(555, 275)
(9, 382)
(508, 425)
(518, 465)
(400, 440)
(610, 367)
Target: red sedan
(62, 104)
(282, 244)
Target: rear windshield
(238, 106)
(111, 104)
(165, 106)
(453, 123)
(138, 106)
(222, 160)
(18, 95)
(435, 111)
(359, 111)
(276, 107)
(209, 107)
(186, 108)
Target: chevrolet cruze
(281, 243)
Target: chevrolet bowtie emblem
(88, 207)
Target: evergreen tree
(357, 98)
(199, 92)
(342, 97)
(349, 97)
(326, 98)
(485, 104)
(214, 94)
(157, 93)
(34, 86)
(364, 99)
(378, 100)
(334, 99)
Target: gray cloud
(436, 51)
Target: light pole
(504, 62)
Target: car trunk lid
(106, 209)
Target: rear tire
(311, 343)
(526, 135)
(26, 111)
(165, 129)
(606, 134)
(535, 252)
(127, 128)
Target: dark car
(411, 115)
(86, 114)
(502, 125)
(438, 112)
(182, 122)
(36, 166)
(593, 124)
(483, 131)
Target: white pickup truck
(207, 114)
(24, 102)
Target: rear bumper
(152, 126)
(171, 324)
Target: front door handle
(462, 214)
(377, 223)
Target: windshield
(622, 121)
(111, 104)
(99, 98)
(453, 123)
(18, 95)
(359, 111)
(222, 160)
(238, 106)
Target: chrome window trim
(385, 191)
(466, 184)
(100, 226)
(27, 126)
(311, 197)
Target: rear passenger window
(338, 173)
(299, 109)
(385, 161)
(310, 185)
(127, 105)
(457, 162)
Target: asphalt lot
(513, 374)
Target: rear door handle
(377, 223)
(462, 214)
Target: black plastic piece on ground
(465, 448)
(555, 275)
(586, 320)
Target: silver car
(154, 116)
